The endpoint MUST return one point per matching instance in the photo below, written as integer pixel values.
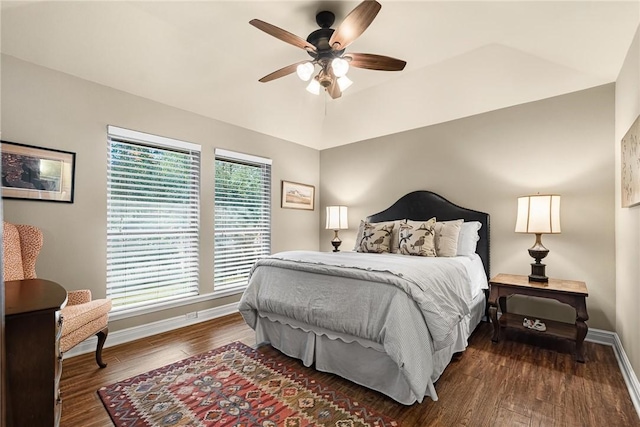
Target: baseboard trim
(600, 336)
(630, 378)
(143, 331)
(628, 374)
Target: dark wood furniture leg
(502, 301)
(493, 313)
(581, 327)
(102, 337)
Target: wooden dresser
(33, 361)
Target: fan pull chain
(325, 103)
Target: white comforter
(409, 305)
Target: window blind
(153, 216)
(242, 216)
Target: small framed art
(630, 165)
(297, 196)
(36, 173)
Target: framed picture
(297, 196)
(36, 173)
(630, 166)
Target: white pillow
(394, 234)
(468, 238)
(446, 238)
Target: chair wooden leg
(102, 337)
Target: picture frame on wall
(630, 165)
(37, 173)
(298, 196)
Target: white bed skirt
(359, 360)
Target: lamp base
(336, 242)
(538, 273)
(538, 252)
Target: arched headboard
(423, 205)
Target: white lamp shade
(305, 71)
(344, 83)
(314, 87)
(340, 67)
(539, 213)
(337, 218)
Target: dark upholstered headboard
(423, 205)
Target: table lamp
(538, 214)
(337, 220)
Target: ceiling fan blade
(284, 71)
(283, 35)
(334, 89)
(374, 62)
(356, 22)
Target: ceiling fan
(327, 48)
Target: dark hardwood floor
(512, 383)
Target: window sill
(138, 311)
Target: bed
(389, 322)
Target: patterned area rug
(234, 386)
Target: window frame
(265, 165)
(192, 210)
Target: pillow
(446, 238)
(376, 237)
(468, 238)
(417, 238)
(394, 234)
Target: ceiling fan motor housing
(320, 38)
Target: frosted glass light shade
(305, 71)
(340, 67)
(538, 214)
(344, 83)
(337, 218)
(314, 87)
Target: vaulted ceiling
(463, 57)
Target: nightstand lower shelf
(556, 329)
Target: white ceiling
(463, 58)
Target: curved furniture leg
(493, 315)
(494, 300)
(581, 328)
(102, 337)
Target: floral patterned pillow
(376, 238)
(417, 238)
(394, 234)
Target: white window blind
(153, 204)
(242, 217)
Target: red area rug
(234, 386)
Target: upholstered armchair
(82, 316)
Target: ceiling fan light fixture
(340, 67)
(327, 46)
(305, 71)
(314, 87)
(344, 82)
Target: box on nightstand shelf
(571, 292)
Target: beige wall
(560, 145)
(627, 219)
(50, 109)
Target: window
(153, 188)
(242, 217)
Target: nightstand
(573, 293)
